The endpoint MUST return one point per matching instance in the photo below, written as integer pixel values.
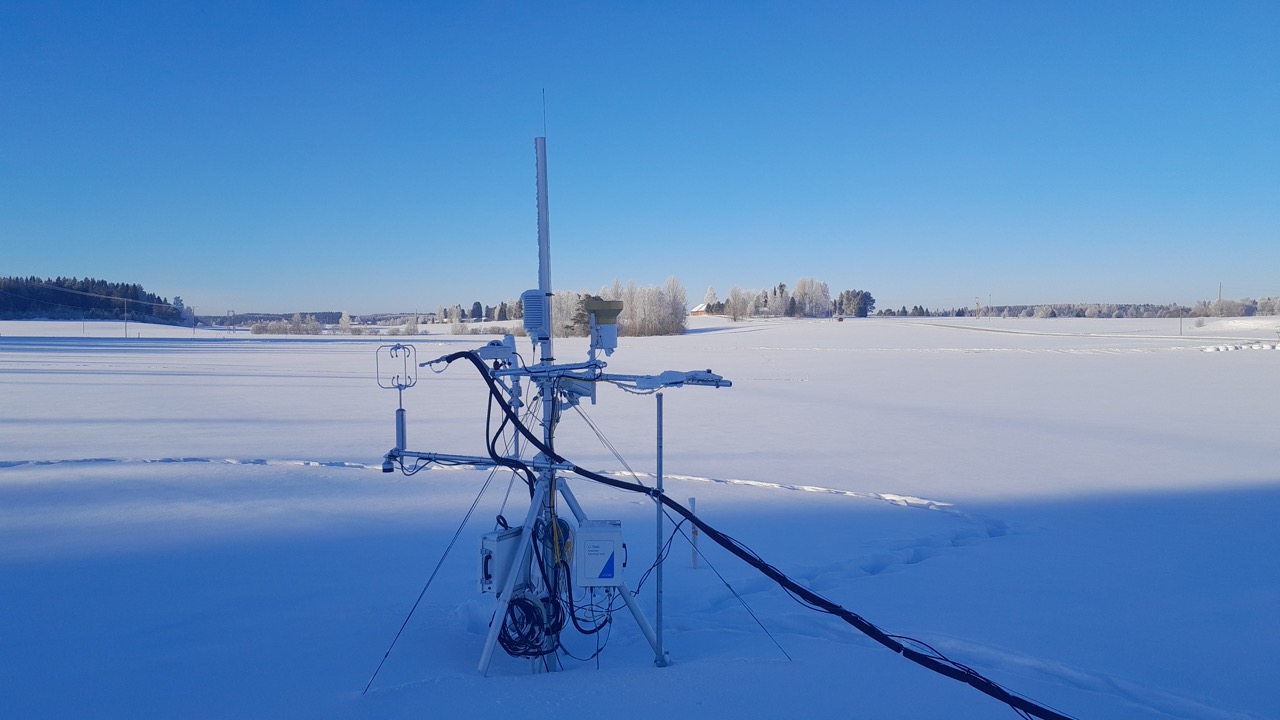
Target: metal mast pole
(542, 504)
(546, 385)
(661, 656)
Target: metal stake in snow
(536, 569)
(661, 659)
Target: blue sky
(282, 157)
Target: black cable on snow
(935, 662)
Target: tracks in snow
(899, 554)
(5, 464)
(1158, 701)
(891, 498)
(900, 500)
(902, 553)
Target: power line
(43, 302)
(96, 295)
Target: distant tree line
(1244, 307)
(810, 299)
(479, 312)
(233, 319)
(297, 325)
(653, 310)
(333, 323)
(330, 323)
(33, 298)
(1055, 310)
(664, 309)
(650, 310)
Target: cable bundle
(902, 645)
(527, 629)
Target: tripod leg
(641, 620)
(569, 498)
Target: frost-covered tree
(651, 310)
(760, 304)
(737, 304)
(812, 298)
(709, 298)
(779, 300)
(568, 317)
(675, 320)
(864, 303)
(185, 314)
(344, 323)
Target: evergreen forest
(34, 298)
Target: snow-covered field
(1082, 510)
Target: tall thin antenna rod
(544, 241)
(544, 112)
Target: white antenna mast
(544, 247)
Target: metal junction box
(599, 554)
(497, 554)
